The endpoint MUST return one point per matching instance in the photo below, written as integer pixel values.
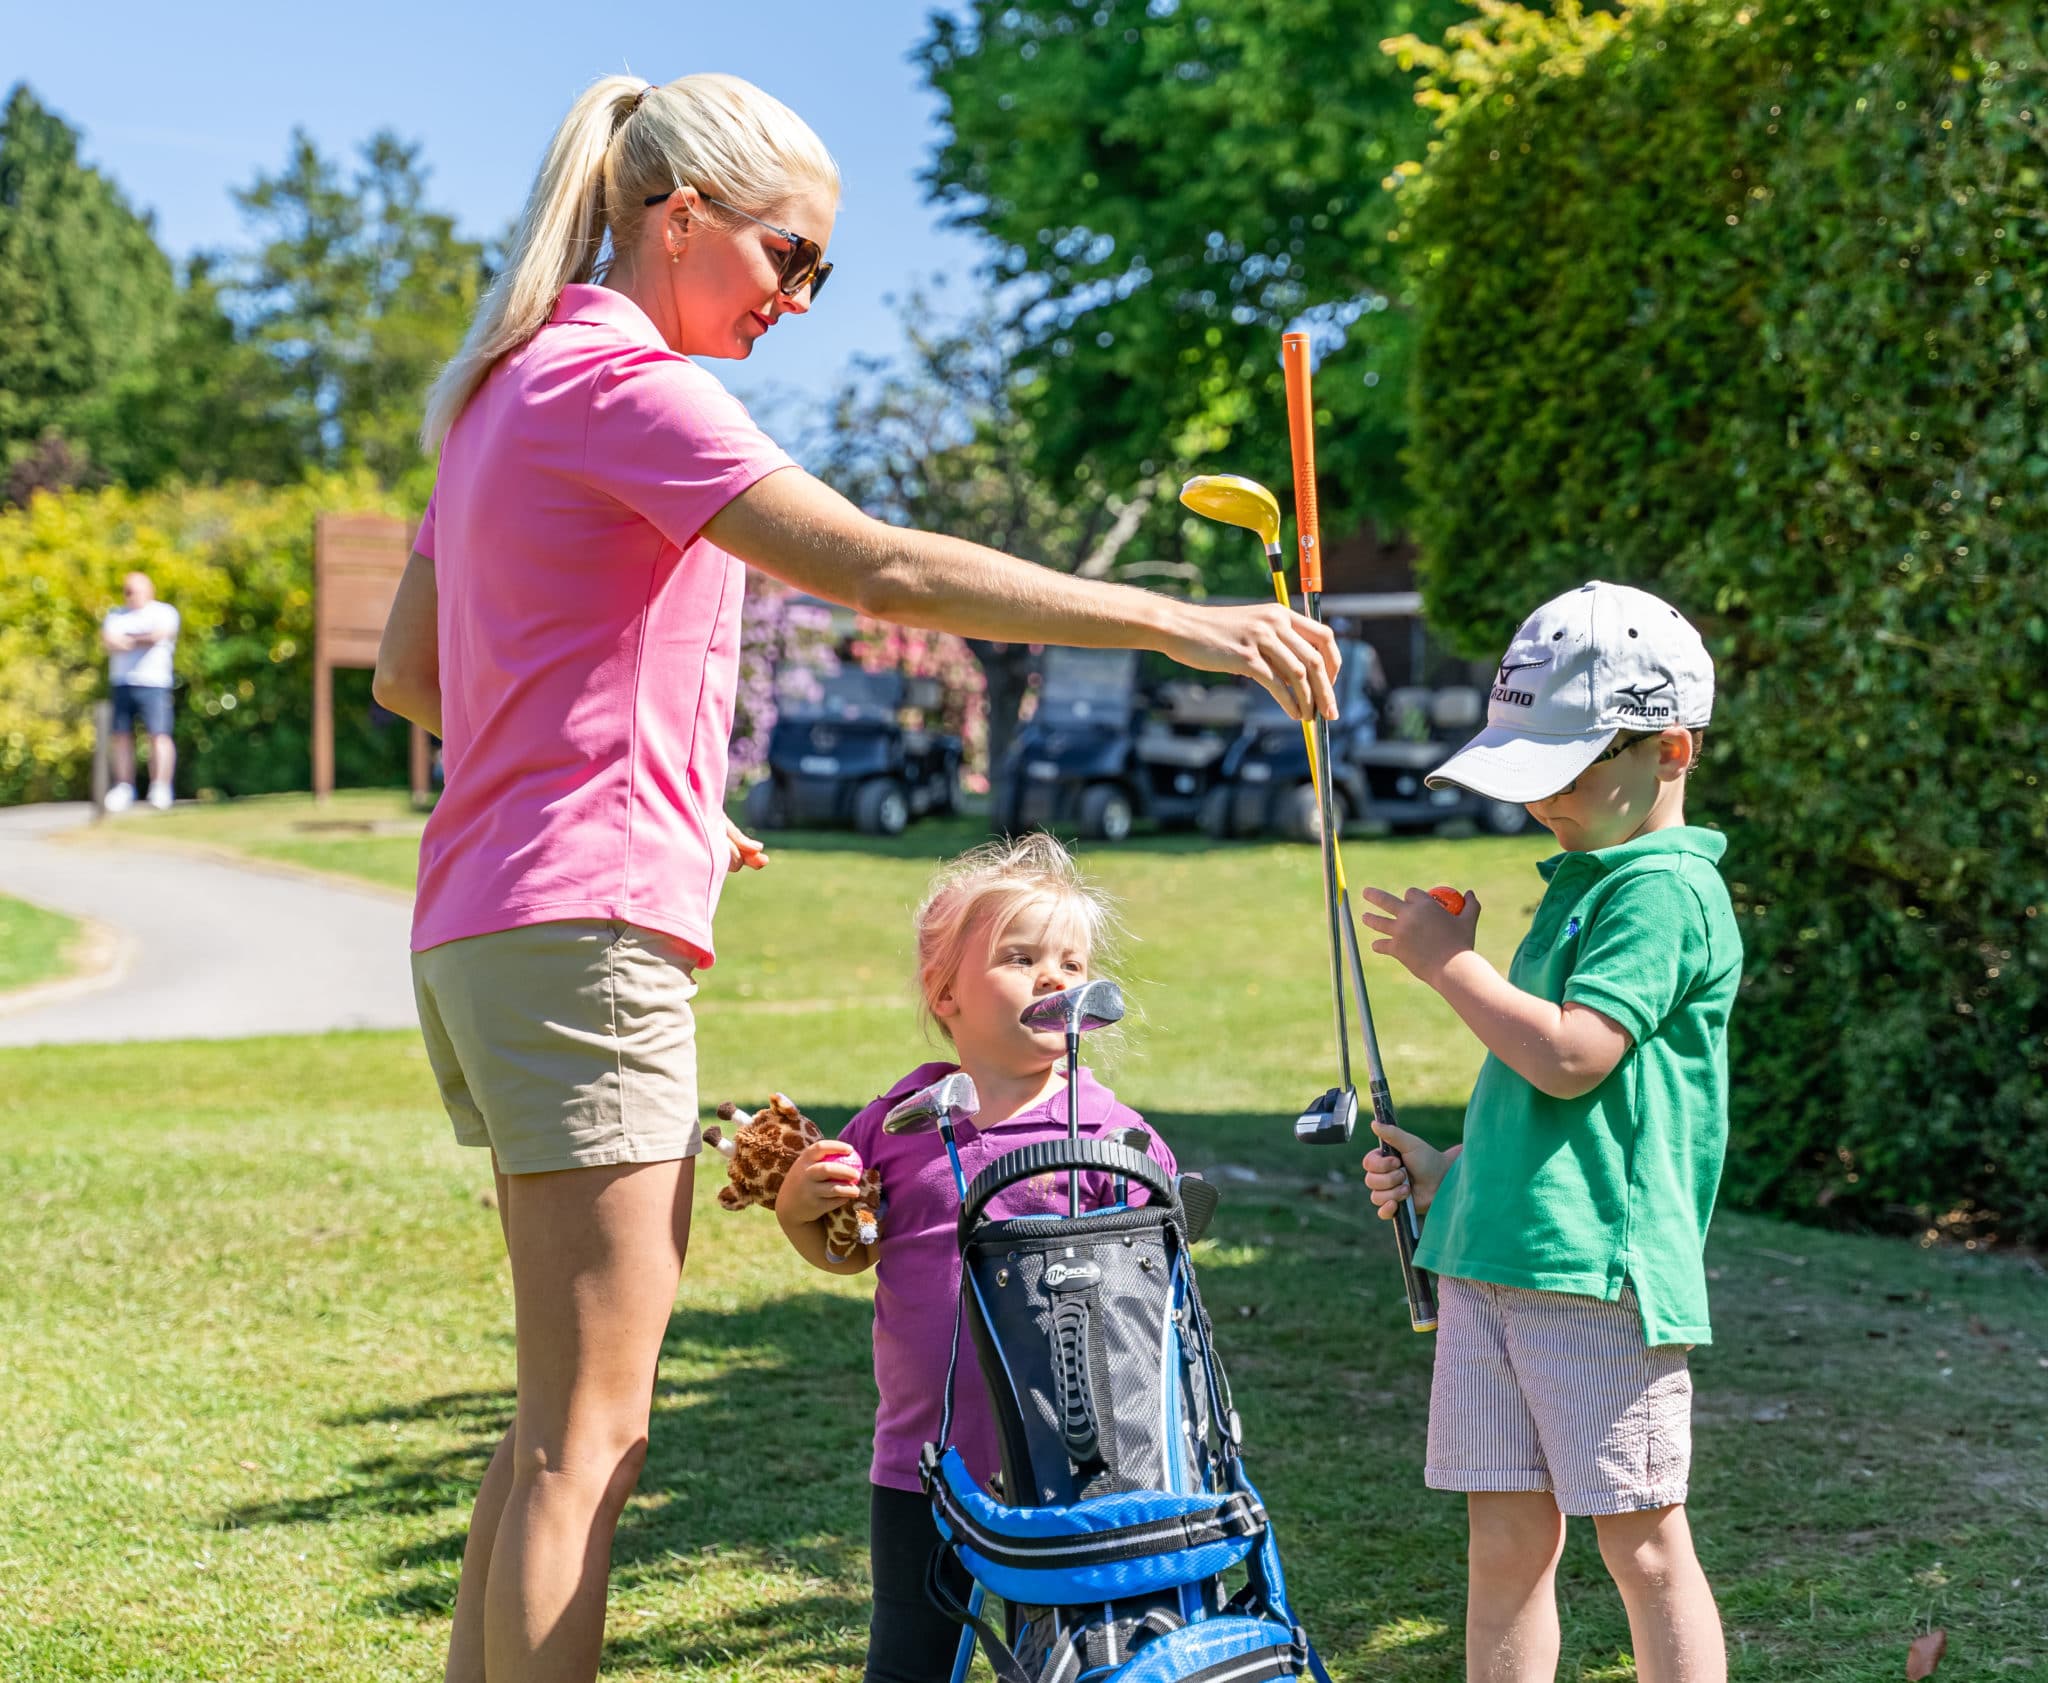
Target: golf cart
(1420, 729)
(1381, 753)
(839, 754)
(1095, 757)
(1264, 786)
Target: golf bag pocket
(1107, 1548)
(1232, 1648)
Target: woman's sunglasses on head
(803, 264)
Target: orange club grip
(1301, 442)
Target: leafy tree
(1168, 186)
(1744, 303)
(88, 299)
(940, 439)
(358, 293)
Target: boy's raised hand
(823, 1177)
(1390, 1181)
(1418, 931)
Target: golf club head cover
(758, 1154)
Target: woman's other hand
(744, 850)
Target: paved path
(207, 949)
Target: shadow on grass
(756, 1480)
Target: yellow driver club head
(1235, 501)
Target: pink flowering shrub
(777, 632)
(881, 647)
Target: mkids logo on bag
(1072, 1276)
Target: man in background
(140, 637)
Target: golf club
(1236, 501)
(934, 1107)
(1332, 1117)
(1076, 1011)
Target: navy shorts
(151, 703)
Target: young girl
(1004, 925)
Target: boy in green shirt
(1566, 1232)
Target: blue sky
(181, 102)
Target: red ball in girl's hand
(1450, 899)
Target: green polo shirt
(1583, 1195)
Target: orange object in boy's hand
(1450, 899)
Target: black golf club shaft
(1073, 1119)
(1421, 1294)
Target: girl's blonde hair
(987, 890)
(615, 150)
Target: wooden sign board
(357, 562)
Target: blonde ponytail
(623, 141)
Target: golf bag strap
(1053, 1156)
(1238, 1515)
(1007, 1667)
(1113, 1641)
(1062, 1664)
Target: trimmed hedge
(237, 563)
(1746, 305)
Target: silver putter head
(923, 1109)
(1077, 1010)
(1330, 1120)
(1131, 1139)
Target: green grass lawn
(35, 945)
(369, 833)
(257, 1334)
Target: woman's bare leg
(596, 1255)
(466, 1640)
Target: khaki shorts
(1546, 1390)
(564, 1045)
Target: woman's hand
(1418, 931)
(823, 1177)
(1415, 1173)
(1293, 657)
(744, 850)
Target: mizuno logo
(1516, 698)
(1638, 701)
(1520, 666)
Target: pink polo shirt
(589, 636)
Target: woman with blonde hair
(569, 626)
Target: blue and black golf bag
(1122, 1534)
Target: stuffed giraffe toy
(758, 1154)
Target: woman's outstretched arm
(798, 529)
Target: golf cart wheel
(1301, 816)
(1503, 818)
(1215, 820)
(880, 808)
(1106, 814)
(765, 809)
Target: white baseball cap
(1584, 667)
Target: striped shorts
(1546, 1390)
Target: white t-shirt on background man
(148, 667)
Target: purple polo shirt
(917, 1271)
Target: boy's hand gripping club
(1331, 1118)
